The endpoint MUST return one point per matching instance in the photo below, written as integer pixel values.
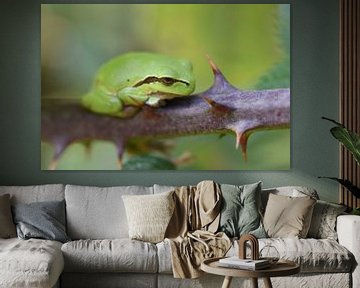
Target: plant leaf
(348, 138)
(347, 184)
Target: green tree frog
(127, 82)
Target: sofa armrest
(348, 230)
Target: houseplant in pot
(351, 141)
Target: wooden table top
(281, 268)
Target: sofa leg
(254, 282)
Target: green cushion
(240, 213)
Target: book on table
(236, 262)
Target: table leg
(227, 282)
(267, 283)
(254, 282)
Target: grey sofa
(101, 254)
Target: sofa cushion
(313, 255)
(117, 255)
(291, 191)
(98, 213)
(149, 215)
(36, 193)
(287, 216)
(43, 220)
(240, 210)
(7, 226)
(30, 263)
(323, 222)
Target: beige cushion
(149, 215)
(293, 191)
(7, 226)
(98, 212)
(287, 217)
(110, 255)
(30, 263)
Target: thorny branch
(220, 109)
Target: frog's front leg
(102, 103)
(109, 104)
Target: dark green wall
(314, 28)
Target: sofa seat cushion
(110, 255)
(30, 263)
(313, 255)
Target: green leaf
(347, 184)
(355, 211)
(349, 139)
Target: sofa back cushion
(7, 227)
(36, 193)
(98, 213)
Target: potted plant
(351, 141)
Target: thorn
(120, 163)
(214, 68)
(186, 157)
(87, 145)
(53, 164)
(120, 151)
(60, 145)
(217, 106)
(241, 140)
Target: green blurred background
(249, 43)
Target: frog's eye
(168, 81)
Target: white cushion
(149, 215)
(30, 263)
(117, 255)
(98, 213)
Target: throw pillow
(240, 213)
(7, 227)
(43, 220)
(149, 215)
(287, 217)
(323, 222)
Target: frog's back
(128, 69)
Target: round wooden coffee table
(281, 268)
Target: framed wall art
(165, 86)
